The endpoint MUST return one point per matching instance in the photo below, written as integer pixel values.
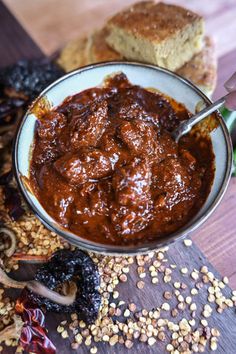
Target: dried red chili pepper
(12, 200)
(33, 337)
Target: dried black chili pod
(78, 267)
(30, 76)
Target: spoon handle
(187, 125)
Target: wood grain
(15, 43)
(215, 238)
(151, 297)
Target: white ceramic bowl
(140, 74)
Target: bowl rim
(150, 246)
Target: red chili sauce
(105, 167)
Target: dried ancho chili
(74, 266)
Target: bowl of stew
(95, 160)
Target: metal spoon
(228, 100)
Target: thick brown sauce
(105, 166)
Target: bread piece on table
(75, 54)
(99, 50)
(87, 50)
(158, 33)
(202, 68)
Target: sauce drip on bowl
(105, 167)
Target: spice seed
(113, 340)
(151, 341)
(165, 306)
(194, 275)
(64, 334)
(188, 300)
(140, 284)
(154, 280)
(167, 295)
(177, 285)
(129, 344)
(123, 278)
(194, 291)
(213, 346)
(226, 280)
(161, 336)
(188, 242)
(60, 329)
(127, 313)
(169, 347)
(174, 313)
(204, 323)
(184, 270)
(115, 294)
(132, 307)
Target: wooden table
(216, 237)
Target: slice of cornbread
(75, 54)
(99, 50)
(87, 50)
(202, 68)
(158, 33)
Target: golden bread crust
(100, 51)
(202, 68)
(74, 54)
(154, 21)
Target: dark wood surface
(214, 238)
(151, 297)
(15, 43)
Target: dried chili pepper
(30, 77)
(12, 199)
(13, 203)
(74, 266)
(34, 334)
(6, 178)
(19, 85)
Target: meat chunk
(172, 179)
(92, 200)
(132, 206)
(141, 138)
(129, 104)
(46, 153)
(58, 204)
(87, 127)
(51, 125)
(48, 129)
(114, 148)
(132, 182)
(86, 164)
